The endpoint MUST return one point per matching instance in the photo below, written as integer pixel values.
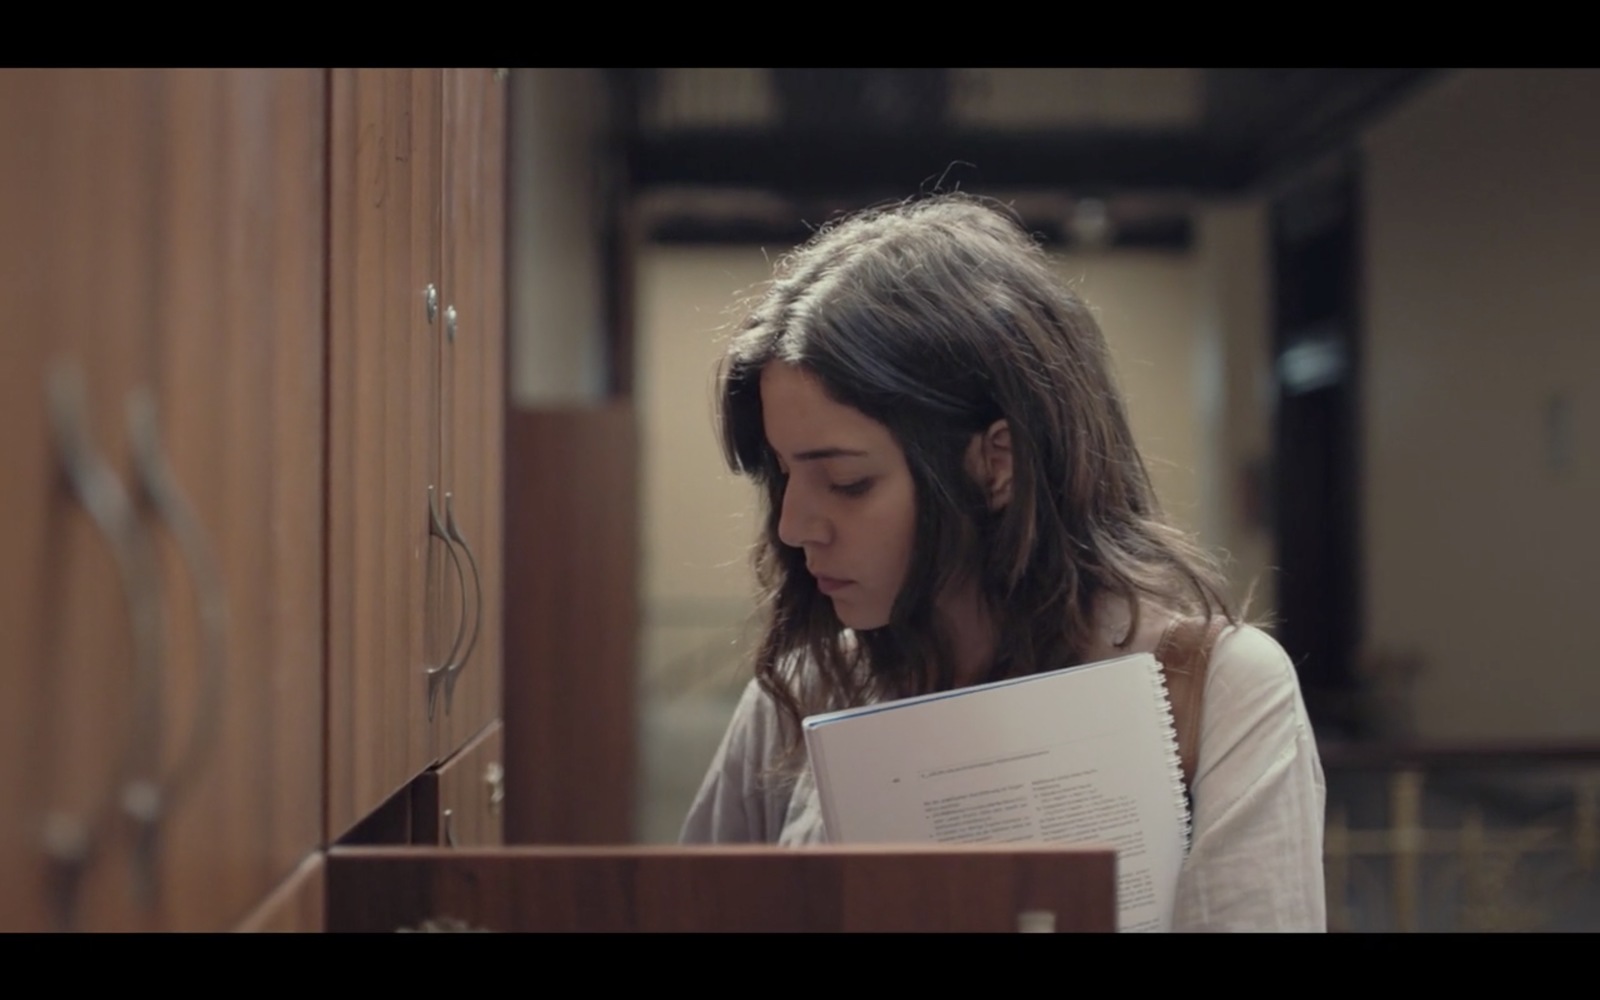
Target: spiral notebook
(1082, 754)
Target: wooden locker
(80, 608)
(385, 609)
(229, 458)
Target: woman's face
(848, 498)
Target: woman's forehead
(803, 422)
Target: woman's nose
(799, 523)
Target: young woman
(952, 497)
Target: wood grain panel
(378, 515)
(241, 198)
(298, 906)
(429, 629)
(572, 540)
(474, 381)
(973, 889)
(76, 224)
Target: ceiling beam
(853, 165)
(1258, 124)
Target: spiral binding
(1174, 758)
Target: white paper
(1081, 755)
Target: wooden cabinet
(228, 457)
(229, 396)
(162, 236)
(384, 602)
(416, 348)
(78, 604)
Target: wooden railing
(1477, 837)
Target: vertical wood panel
(75, 230)
(426, 567)
(473, 367)
(377, 501)
(240, 401)
(66, 228)
(571, 591)
(967, 889)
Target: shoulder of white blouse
(1249, 657)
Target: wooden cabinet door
(416, 401)
(472, 386)
(162, 237)
(230, 460)
(78, 604)
(719, 889)
(385, 608)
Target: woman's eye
(855, 489)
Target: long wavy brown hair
(936, 317)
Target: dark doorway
(1317, 481)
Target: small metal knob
(450, 323)
(495, 777)
(430, 295)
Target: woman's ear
(989, 458)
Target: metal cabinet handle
(454, 528)
(437, 529)
(71, 841)
(159, 490)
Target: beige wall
(697, 517)
(557, 337)
(1234, 374)
(1146, 302)
(698, 525)
(697, 586)
(1482, 546)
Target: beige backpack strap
(1184, 653)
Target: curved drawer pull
(438, 675)
(454, 529)
(70, 842)
(158, 488)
